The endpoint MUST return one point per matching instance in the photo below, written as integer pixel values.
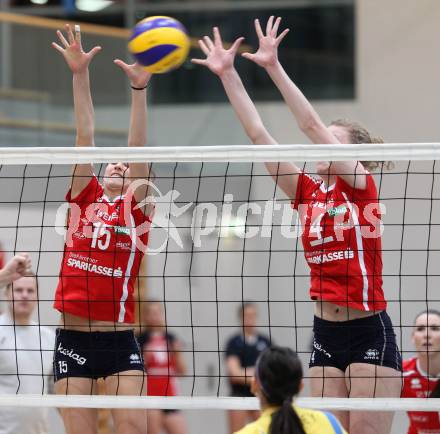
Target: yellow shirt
(313, 421)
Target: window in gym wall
(318, 53)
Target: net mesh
(224, 235)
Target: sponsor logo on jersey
(415, 383)
(69, 353)
(321, 205)
(93, 268)
(371, 354)
(122, 230)
(108, 217)
(338, 210)
(331, 256)
(79, 234)
(123, 246)
(420, 417)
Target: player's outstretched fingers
(77, 35)
(62, 39)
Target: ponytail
(279, 373)
(286, 420)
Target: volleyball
(159, 43)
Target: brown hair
(244, 306)
(359, 134)
(427, 312)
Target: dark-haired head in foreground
(278, 379)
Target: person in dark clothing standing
(242, 351)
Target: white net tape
(341, 152)
(215, 403)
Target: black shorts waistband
(373, 320)
(94, 335)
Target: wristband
(138, 88)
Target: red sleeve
(305, 188)
(89, 193)
(138, 214)
(368, 194)
(406, 364)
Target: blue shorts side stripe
(334, 422)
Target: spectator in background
(163, 363)
(421, 373)
(25, 356)
(242, 351)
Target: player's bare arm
(220, 61)
(139, 80)
(78, 61)
(307, 118)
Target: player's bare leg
(155, 421)
(367, 381)
(78, 420)
(327, 381)
(132, 383)
(174, 423)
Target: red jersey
(160, 363)
(342, 242)
(102, 255)
(417, 384)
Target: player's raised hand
(71, 48)
(267, 53)
(218, 59)
(137, 75)
(17, 267)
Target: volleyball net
(223, 235)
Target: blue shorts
(95, 354)
(366, 340)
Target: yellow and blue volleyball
(159, 43)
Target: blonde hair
(359, 134)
